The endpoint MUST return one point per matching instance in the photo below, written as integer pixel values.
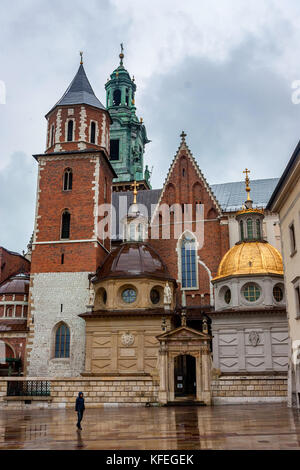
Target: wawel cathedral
(135, 295)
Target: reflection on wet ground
(220, 427)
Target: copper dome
(18, 284)
(132, 260)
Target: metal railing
(28, 388)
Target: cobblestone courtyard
(184, 428)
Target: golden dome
(250, 258)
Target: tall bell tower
(74, 183)
(128, 135)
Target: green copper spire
(128, 135)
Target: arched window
(62, 341)
(68, 179)
(242, 230)
(65, 224)
(117, 97)
(249, 229)
(127, 97)
(258, 231)
(93, 132)
(70, 131)
(188, 262)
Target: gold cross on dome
(247, 181)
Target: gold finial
(141, 120)
(121, 54)
(183, 136)
(135, 186)
(247, 181)
(81, 55)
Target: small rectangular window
(62, 259)
(114, 149)
(292, 238)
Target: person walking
(79, 407)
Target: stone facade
(250, 342)
(56, 298)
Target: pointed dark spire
(79, 92)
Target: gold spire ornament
(81, 55)
(247, 181)
(135, 186)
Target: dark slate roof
(232, 196)
(79, 92)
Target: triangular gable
(183, 332)
(183, 146)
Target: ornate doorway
(184, 360)
(185, 376)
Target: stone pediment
(183, 332)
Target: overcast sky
(221, 71)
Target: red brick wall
(11, 264)
(185, 186)
(92, 114)
(79, 201)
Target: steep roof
(79, 92)
(231, 196)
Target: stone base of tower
(56, 298)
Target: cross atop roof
(183, 136)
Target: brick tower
(74, 179)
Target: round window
(227, 296)
(154, 296)
(278, 293)
(251, 292)
(129, 296)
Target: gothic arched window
(117, 97)
(65, 224)
(62, 341)
(70, 130)
(68, 179)
(188, 255)
(93, 132)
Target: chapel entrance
(185, 376)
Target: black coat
(79, 403)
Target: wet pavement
(184, 428)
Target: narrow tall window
(117, 97)
(292, 238)
(249, 229)
(93, 132)
(127, 97)
(70, 131)
(242, 230)
(297, 293)
(258, 230)
(188, 262)
(114, 149)
(68, 179)
(65, 225)
(52, 136)
(62, 341)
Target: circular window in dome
(251, 292)
(129, 295)
(154, 296)
(227, 296)
(278, 293)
